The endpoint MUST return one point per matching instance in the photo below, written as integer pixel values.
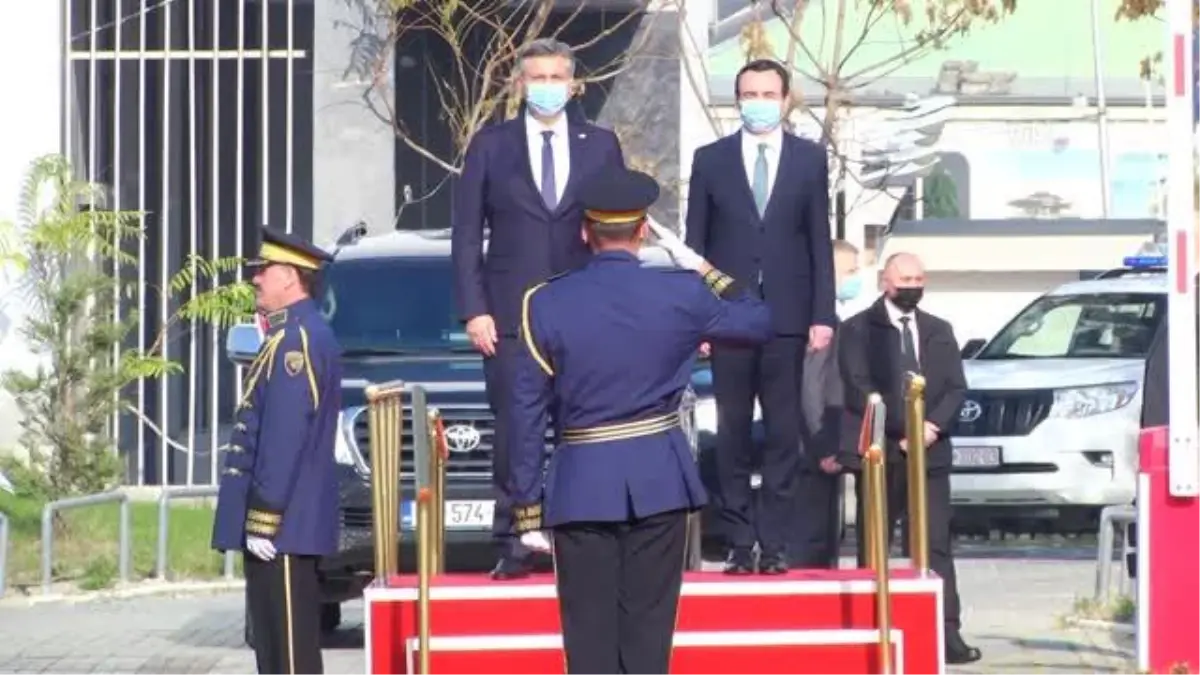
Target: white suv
(1047, 435)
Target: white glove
(536, 541)
(261, 548)
(683, 254)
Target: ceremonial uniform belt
(622, 431)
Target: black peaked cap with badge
(283, 248)
(617, 197)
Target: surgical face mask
(850, 288)
(760, 115)
(547, 98)
(907, 299)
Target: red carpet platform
(802, 622)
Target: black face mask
(907, 299)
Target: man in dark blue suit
(608, 350)
(758, 208)
(278, 497)
(521, 181)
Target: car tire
(331, 616)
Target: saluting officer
(608, 352)
(278, 491)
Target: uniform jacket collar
(295, 310)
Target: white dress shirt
(561, 144)
(894, 315)
(750, 143)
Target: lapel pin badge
(583, 135)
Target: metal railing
(51, 508)
(164, 525)
(877, 526)
(3, 553)
(385, 406)
(1111, 517)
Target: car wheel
(331, 616)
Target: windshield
(393, 305)
(1089, 325)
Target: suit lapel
(924, 334)
(733, 153)
(578, 141)
(785, 167)
(524, 166)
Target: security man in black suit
(278, 498)
(876, 350)
(608, 353)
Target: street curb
(1117, 627)
(142, 590)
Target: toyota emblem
(462, 438)
(971, 411)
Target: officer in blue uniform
(278, 497)
(608, 352)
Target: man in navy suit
(758, 208)
(520, 181)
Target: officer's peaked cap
(283, 248)
(618, 196)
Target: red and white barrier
(802, 622)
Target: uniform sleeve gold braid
(718, 281)
(528, 518)
(312, 377)
(263, 523)
(527, 334)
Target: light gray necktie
(549, 188)
(760, 180)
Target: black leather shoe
(510, 568)
(773, 564)
(739, 562)
(959, 652)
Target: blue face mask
(547, 98)
(760, 115)
(849, 289)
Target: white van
(1047, 435)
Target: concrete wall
(31, 70)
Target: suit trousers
(284, 602)
(819, 519)
(772, 374)
(941, 558)
(618, 592)
(497, 373)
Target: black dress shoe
(510, 568)
(959, 652)
(773, 564)
(739, 562)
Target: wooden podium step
(801, 622)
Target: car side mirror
(973, 347)
(242, 343)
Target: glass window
(1089, 325)
(393, 304)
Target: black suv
(389, 299)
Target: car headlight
(1076, 402)
(343, 452)
(706, 415)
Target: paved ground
(1014, 601)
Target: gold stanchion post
(875, 474)
(918, 504)
(384, 406)
(438, 458)
(424, 572)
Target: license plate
(460, 514)
(975, 456)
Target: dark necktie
(908, 345)
(549, 189)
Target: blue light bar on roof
(1144, 261)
